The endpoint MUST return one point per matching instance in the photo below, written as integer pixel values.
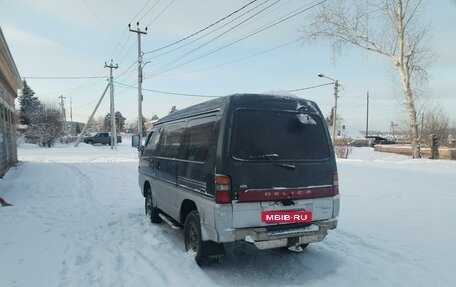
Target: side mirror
(135, 141)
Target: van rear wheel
(151, 211)
(206, 251)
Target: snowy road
(78, 220)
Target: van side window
(197, 138)
(152, 143)
(171, 140)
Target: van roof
(205, 107)
(220, 103)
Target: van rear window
(278, 136)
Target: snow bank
(78, 220)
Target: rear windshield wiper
(287, 166)
(269, 156)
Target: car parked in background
(100, 138)
(373, 140)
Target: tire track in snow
(368, 254)
(105, 256)
(82, 211)
(84, 182)
(99, 251)
(319, 260)
(349, 242)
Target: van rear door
(280, 160)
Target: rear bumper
(265, 239)
(246, 216)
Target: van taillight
(222, 189)
(335, 183)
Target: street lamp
(336, 89)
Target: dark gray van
(246, 167)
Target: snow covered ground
(78, 220)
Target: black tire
(207, 252)
(151, 211)
(90, 142)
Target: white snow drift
(78, 220)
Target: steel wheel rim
(193, 237)
(148, 205)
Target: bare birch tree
(391, 28)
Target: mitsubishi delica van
(246, 167)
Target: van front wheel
(206, 251)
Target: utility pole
(392, 126)
(140, 79)
(71, 115)
(367, 116)
(336, 90)
(62, 105)
(113, 116)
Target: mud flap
(211, 252)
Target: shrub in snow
(45, 126)
(342, 147)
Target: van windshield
(272, 135)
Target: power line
(204, 29)
(157, 72)
(311, 87)
(127, 50)
(128, 69)
(244, 37)
(213, 39)
(142, 8)
(150, 9)
(125, 32)
(75, 90)
(99, 20)
(202, 36)
(240, 59)
(163, 11)
(169, 93)
(208, 96)
(118, 44)
(271, 11)
(122, 49)
(94, 77)
(64, 78)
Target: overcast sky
(74, 38)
